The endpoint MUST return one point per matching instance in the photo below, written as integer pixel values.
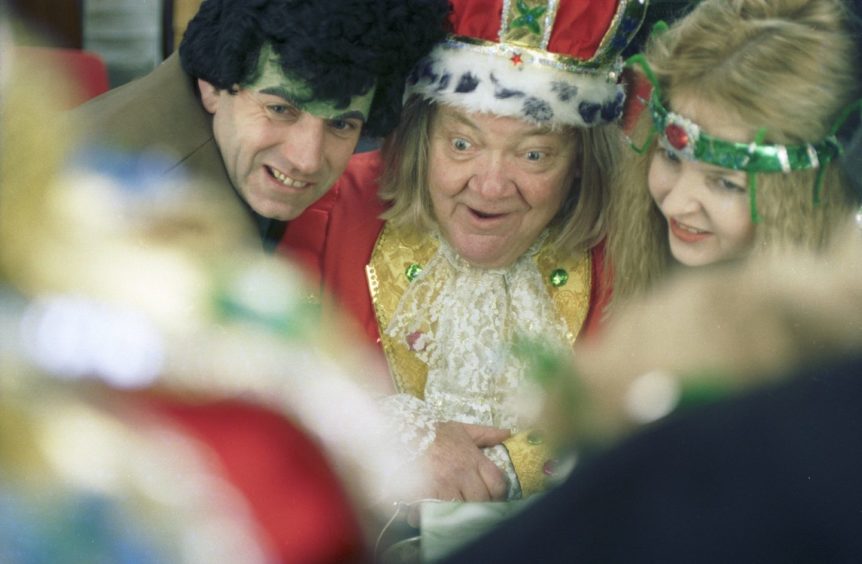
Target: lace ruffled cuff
(500, 456)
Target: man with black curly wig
(267, 99)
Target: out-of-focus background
(130, 36)
(133, 36)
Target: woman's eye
(730, 185)
(534, 155)
(669, 155)
(460, 144)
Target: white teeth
(287, 181)
(689, 228)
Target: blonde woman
(737, 149)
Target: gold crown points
(520, 56)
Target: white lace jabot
(461, 321)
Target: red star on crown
(516, 59)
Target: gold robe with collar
(400, 252)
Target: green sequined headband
(685, 138)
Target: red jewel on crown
(676, 136)
(516, 59)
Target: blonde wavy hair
(581, 221)
(788, 66)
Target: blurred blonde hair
(788, 66)
(581, 221)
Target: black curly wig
(339, 47)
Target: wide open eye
(461, 144)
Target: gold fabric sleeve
(529, 455)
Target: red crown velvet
(578, 29)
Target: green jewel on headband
(685, 138)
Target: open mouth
(483, 215)
(688, 228)
(687, 233)
(286, 180)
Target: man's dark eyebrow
(283, 93)
(352, 114)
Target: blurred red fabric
(295, 496)
(87, 70)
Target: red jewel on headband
(676, 136)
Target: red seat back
(85, 69)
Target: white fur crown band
(531, 73)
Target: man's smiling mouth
(286, 180)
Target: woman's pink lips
(685, 234)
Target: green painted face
(271, 79)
